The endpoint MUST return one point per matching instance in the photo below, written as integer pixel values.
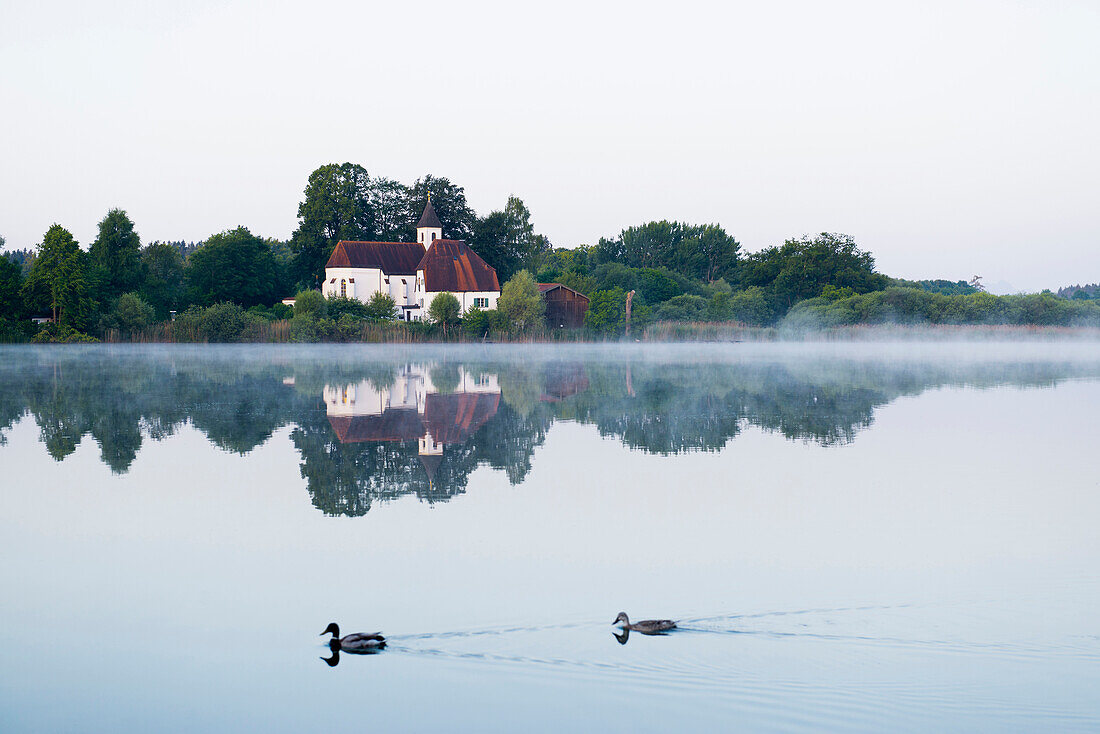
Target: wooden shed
(564, 306)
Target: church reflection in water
(414, 408)
(376, 430)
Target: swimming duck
(646, 626)
(356, 642)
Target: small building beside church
(565, 307)
(412, 273)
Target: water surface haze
(852, 537)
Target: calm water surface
(855, 538)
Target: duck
(356, 642)
(646, 626)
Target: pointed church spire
(429, 217)
(429, 229)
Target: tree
(116, 254)
(129, 313)
(449, 202)
(310, 304)
(801, 268)
(700, 252)
(606, 312)
(337, 206)
(163, 288)
(59, 278)
(392, 213)
(233, 266)
(507, 240)
(11, 280)
(521, 302)
(444, 310)
(381, 307)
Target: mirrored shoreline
(373, 424)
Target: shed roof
(547, 287)
(450, 265)
(392, 258)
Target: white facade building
(412, 273)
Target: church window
(343, 288)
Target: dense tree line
(228, 286)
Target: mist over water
(852, 536)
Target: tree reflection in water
(376, 430)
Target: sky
(949, 138)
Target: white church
(412, 273)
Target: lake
(852, 537)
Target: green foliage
(506, 240)
(342, 306)
(444, 309)
(448, 200)
(946, 287)
(11, 282)
(445, 377)
(116, 255)
(801, 269)
(606, 313)
(521, 302)
(61, 334)
(234, 266)
(336, 206)
(749, 306)
(381, 307)
(684, 308)
(163, 287)
(700, 252)
(222, 322)
(129, 313)
(59, 280)
(918, 306)
(310, 304)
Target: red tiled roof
(392, 258)
(395, 424)
(451, 419)
(454, 418)
(450, 265)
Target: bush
(61, 334)
(521, 302)
(310, 304)
(339, 306)
(444, 309)
(222, 322)
(381, 307)
(684, 308)
(128, 314)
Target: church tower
(428, 229)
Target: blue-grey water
(869, 537)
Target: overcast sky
(949, 138)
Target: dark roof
(450, 265)
(451, 419)
(431, 464)
(454, 418)
(547, 287)
(395, 424)
(429, 218)
(392, 258)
